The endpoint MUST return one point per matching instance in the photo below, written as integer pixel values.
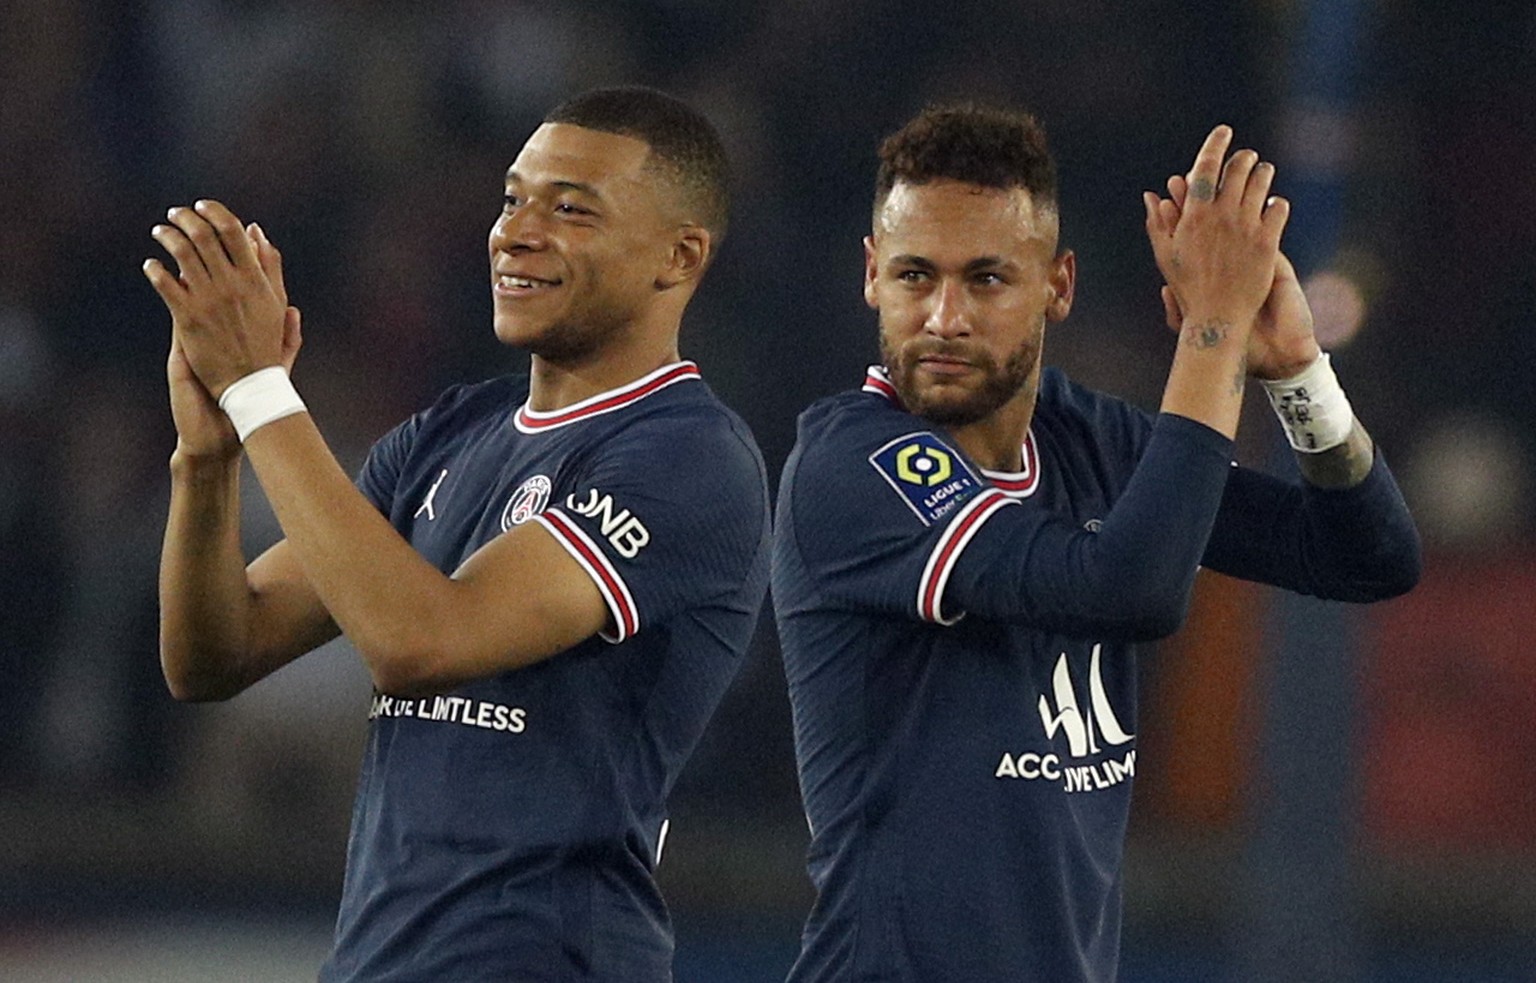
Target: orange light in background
(1201, 720)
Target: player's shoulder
(1062, 395)
(852, 443)
(863, 466)
(682, 433)
(691, 416)
(1069, 407)
(862, 417)
(456, 411)
(500, 396)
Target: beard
(952, 405)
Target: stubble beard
(576, 336)
(942, 404)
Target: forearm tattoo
(1207, 335)
(1343, 466)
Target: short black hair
(982, 145)
(684, 145)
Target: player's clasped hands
(1218, 252)
(229, 309)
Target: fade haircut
(980, 145)
(684, 146)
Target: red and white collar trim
(1019, 484)
(1015, 484)
(878, 381)
(537, 421)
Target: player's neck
(996, 442)
(554, 384)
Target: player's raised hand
(228, 308)
(202, 430)
(1218, 252)
(271, 261)
(1283, 342)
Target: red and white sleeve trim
(941, 562)
(621, 604)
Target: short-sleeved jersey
(963, 678)
(509, 829)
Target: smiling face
(583, 236)
(964, 278)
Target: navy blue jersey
(509, 829)
(958, 648)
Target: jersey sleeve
(380, 473)
(870, 507)
(1132, 579)
(667, 516)
(875, 535)
(1355, 544)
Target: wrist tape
(256, 400)
(1313, 410)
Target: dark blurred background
(1325, 793)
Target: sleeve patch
(930, 477)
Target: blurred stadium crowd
(369, 139)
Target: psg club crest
(528, 501)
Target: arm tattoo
(1202, 189)
(1207, 335)
(1344, 466)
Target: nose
(519, 230)
(948, 316)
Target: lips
(521, 284)
(944, 365)
(942, 360)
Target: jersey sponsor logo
(930, 477)
(1070, 718)
(1092, 732)
(528, 501)
(426, 503)
(624, 532)
(452, 710)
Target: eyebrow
(580, 187)
(974, 266)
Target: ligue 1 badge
(528, 501)
(929, 476)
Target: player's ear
(871, 268)
(1062, 280)
(691, 249)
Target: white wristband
(1313, 410)
(256, 400)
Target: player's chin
(950, 404)
(519, 330)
